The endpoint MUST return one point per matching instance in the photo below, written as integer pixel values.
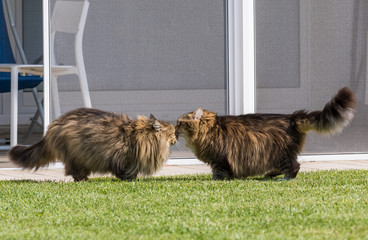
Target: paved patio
(8, 171)
(56, 173)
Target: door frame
(241, 56)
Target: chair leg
(34, 121)
(14, 107)
(36, 116)
(55, 97)
(38, 103)
(84, 88)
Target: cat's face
(169, 131)
(165, 129)
(188, 124)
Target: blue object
(6, 56)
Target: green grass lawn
(317, 205)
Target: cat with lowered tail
(94, 141)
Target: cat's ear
(157, 126)
(152, 117)
(142, 118)
(197, 114)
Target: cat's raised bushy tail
(334, 117)
(31, 157)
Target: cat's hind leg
(293, 170)
(273, 173)
(78, 174)
(289, 166)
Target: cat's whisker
(181, 147)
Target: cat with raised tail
(94, 141)
(260, 144)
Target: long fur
(257, 144)
(94, 141)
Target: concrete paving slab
(167, 170)
(58, 174)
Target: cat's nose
(177, 133)
(172, 140)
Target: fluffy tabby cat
(257, 144)
(94, 141)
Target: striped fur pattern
(260, 144)
(94, 141)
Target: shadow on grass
(180, 178)
(195, 177)
(33, 181)
(117, 180)
(208, 177)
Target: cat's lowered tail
(31, 157)
(336, 114)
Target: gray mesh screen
(332, 54)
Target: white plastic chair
(67, 17)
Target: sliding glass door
(305, 52)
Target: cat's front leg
(125, 169)
(78, 173)
(125, 175)
(221, 171)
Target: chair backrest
(6, 55)
(69, 17)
